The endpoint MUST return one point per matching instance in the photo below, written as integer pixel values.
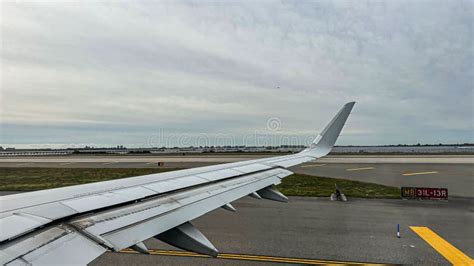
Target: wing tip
(328, 137)
(350, 103)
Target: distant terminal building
(415, 149)
(23, 152)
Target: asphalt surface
(359, 230)
(455, 172)
(123, 161)
(458, 178)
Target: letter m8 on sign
(408, 192)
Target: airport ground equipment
(338, 195)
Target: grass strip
(31, 179)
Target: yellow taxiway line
(360, 169)
(232, 256)
(450, 252)
(420, 173)
(313, 165)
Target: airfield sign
(424, 193)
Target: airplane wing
(76, 224)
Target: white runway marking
(360, 169)
(313, 165)
(420, 173)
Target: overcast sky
(154, 73)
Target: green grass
(314, 186)
(30, 179)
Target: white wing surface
(76, 224)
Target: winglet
(324, 142)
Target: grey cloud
(132, 68)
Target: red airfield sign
(424, 193)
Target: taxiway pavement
(359, 230)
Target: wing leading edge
(74, 225)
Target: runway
(318, 230)
(187, 160)
(453, 172)
(458, 178)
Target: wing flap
(71, 249)
(20, 223)
(127, 226)
(56, 245)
